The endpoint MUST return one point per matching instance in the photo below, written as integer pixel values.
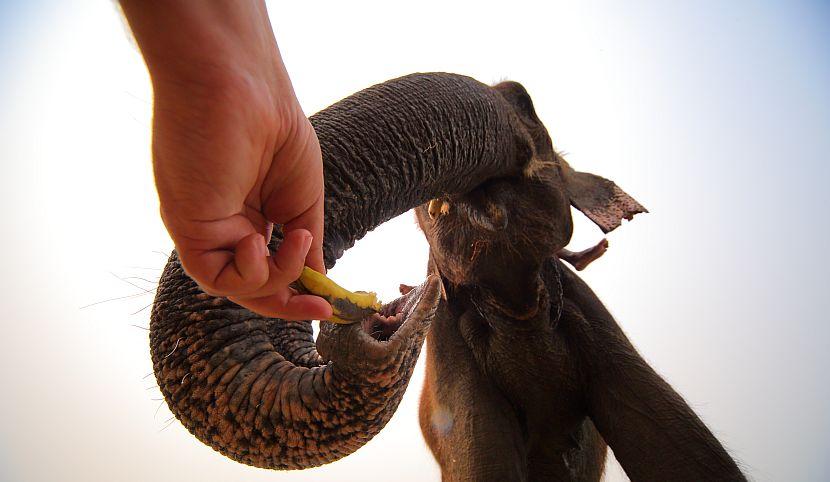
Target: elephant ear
(601, 200)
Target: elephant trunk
(399, 144)
(256, 389)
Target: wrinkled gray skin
(525, 367)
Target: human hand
(233, 153)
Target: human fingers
(227, 272)
(288, 305)
(276, 299)
(285, 265)
(312, 221)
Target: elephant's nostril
(393, 308)
(383, 324)
(381, 327)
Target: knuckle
(210, 290)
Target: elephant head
(500, 233)
(260, 390)
(528, 376)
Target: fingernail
(263, 246)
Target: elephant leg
(578, 456)
(587, 460)
(470, 427)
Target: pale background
(715, 115)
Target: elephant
(528, 375)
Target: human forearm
(208, 43)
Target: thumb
(312, 221)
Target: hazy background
(715, 115)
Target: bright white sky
(715, 115)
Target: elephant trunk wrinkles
(256, 389)
(399, 144)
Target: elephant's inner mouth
(381, 326)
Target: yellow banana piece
(348, 307)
